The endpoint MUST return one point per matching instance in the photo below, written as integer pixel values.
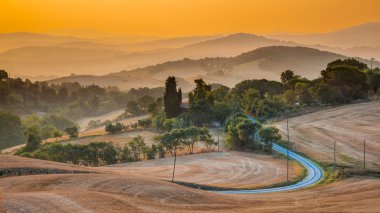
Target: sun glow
(185, 17)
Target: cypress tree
(172, 98)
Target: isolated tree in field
(269, 135)
(172, 141)
(172, 98)
(72, 131)
(11, 131)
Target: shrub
(112, 128)
(72, 131)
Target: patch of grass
(7, 172)
(364, 172)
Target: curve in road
(314, 173)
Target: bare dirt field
(222, 169)
(349, 125)
(119, 139)
(140, 186)
(106, 191)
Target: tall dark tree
(172, 98)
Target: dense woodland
(71, 100)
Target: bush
(26, 154)
(144, 123)
(72, 131)
(112, 128)
(151, 152)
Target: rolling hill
(265, 62)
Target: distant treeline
(69, 99)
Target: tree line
(104, 153)
(69, 98)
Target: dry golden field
(105, 190)
(314, 134)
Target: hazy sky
(185, 17)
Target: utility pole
(334, 155)
(364, 155)
(287, 150)
(218, 138)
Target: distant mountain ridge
(357, 41)
(360, 35)
(89, 57)
(30, 54)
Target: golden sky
(185, 17)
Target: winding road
(314, 173)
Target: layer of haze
(185, 17)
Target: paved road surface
(314, 173)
